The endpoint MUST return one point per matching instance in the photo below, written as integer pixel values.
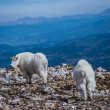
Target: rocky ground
(59, 94)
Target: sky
(14, 9)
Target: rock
(55, 97)
(16, 101)
(64, 65)
(29, 106)
(49, 90)
(4, 107)
(51, 105)
(1, 80)
(1, 98)
(73, 107)
(100, 69)
(2, 70)
(23, 89)
(5, 89)
(58, 94)
(36, 98)
(102, 93)
(100, 75)
(107, 92)
(96, 93)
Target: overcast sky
(13, 9)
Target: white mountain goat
(43, 59)
(28, 64)
(85, 79)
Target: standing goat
(85, 79)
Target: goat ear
(16, 58)
(12, 57)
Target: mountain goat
(28, 64)
(42, 59)
(85, 79)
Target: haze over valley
(63, 39)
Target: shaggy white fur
(85, 79)
(43, 59)
(28, 64)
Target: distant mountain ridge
(36, 20)
(48, 32)
(94, 48)
(65, 39)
